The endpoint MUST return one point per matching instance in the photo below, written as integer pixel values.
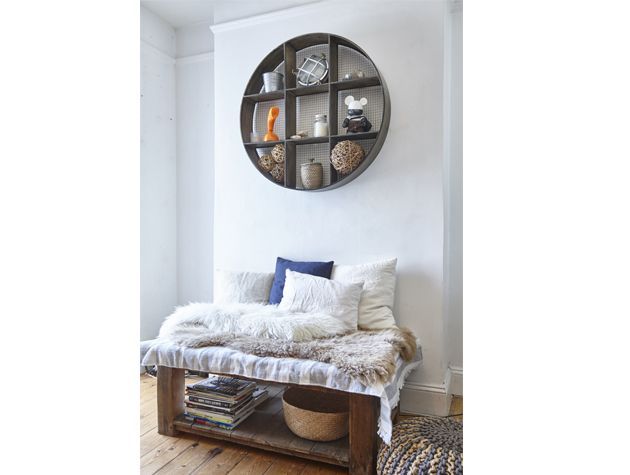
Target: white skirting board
(457, 381)
(432, 400)
(425, 400)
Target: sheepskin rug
(191, 324)
(263, 330)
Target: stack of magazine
(221, 401)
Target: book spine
(205, 407)
(208, 416)
(207, 422)
(216, 390)
(209, 402)
(202, 421)
(230, 391)
(213, 396)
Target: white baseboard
(457, 381)
(432, 399)
(425, 400)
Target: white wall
(158, 251)
(195, 165)
(194, 39)
(228, 10)
(454, 200)
(395, 208)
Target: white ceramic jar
(320, 126)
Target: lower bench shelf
(265, 429)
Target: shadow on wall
(414, 307)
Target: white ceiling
(180, 13)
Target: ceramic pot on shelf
(312, 174)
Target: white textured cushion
(242, 287)
(379, 284)
(309, 293)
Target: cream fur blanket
(190, 324)
(264, 330)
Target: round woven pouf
(423, 445)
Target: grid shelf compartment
(261, 111)
(302, 54)
(318, 152)
(373, 110)
(306, 108)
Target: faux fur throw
(196, 321)
(263, 330)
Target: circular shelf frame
(283, 59)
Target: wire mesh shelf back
(306, 108)
(351, 61)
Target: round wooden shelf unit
(299, 104)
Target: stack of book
(221, 401)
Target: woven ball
(278, 153)
(423, 445)
(266, 162)
(277, 172)
(346, 156)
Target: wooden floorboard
(160, 456)
(457, 409)
(253, 464)
(192, 458)
(191, 454)
(223, 463)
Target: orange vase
(270, 136)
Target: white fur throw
(196, 320)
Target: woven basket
(346, 156)
(315, 415)
(311, 174)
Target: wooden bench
(265, 428)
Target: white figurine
(356, 122)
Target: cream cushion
(312, 294)
(242, 287)
(379, 285)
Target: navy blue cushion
(320, 269)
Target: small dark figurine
(355, 121)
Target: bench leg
(170, 398)
(364, 412)
(396, 414)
